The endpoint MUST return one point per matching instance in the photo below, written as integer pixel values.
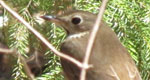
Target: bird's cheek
(84, 28)
(66, 28)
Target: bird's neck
(77, 35)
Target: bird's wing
(71, 71)
(129, 73)
(114, 73)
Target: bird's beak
(48, 17)
(51, 18)
(57, 20)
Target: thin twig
(26, 67)
(7, 51)
(29, 4)
(92, 39)
(37, 34)
(23, 61)
(26, 9)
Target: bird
(109, 58)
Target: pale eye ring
(76, 20)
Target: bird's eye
(76, 20)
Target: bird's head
(74, 22)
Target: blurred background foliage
(130, 19)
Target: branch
(26, 67)
(23, 61)
(7, 51)
(38, 35)
(92, 39)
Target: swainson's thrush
(111, 61)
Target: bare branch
(26, 68)
(37, 34)
(14, 53)
(7, 51)
(92, 39)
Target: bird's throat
(77, 35)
